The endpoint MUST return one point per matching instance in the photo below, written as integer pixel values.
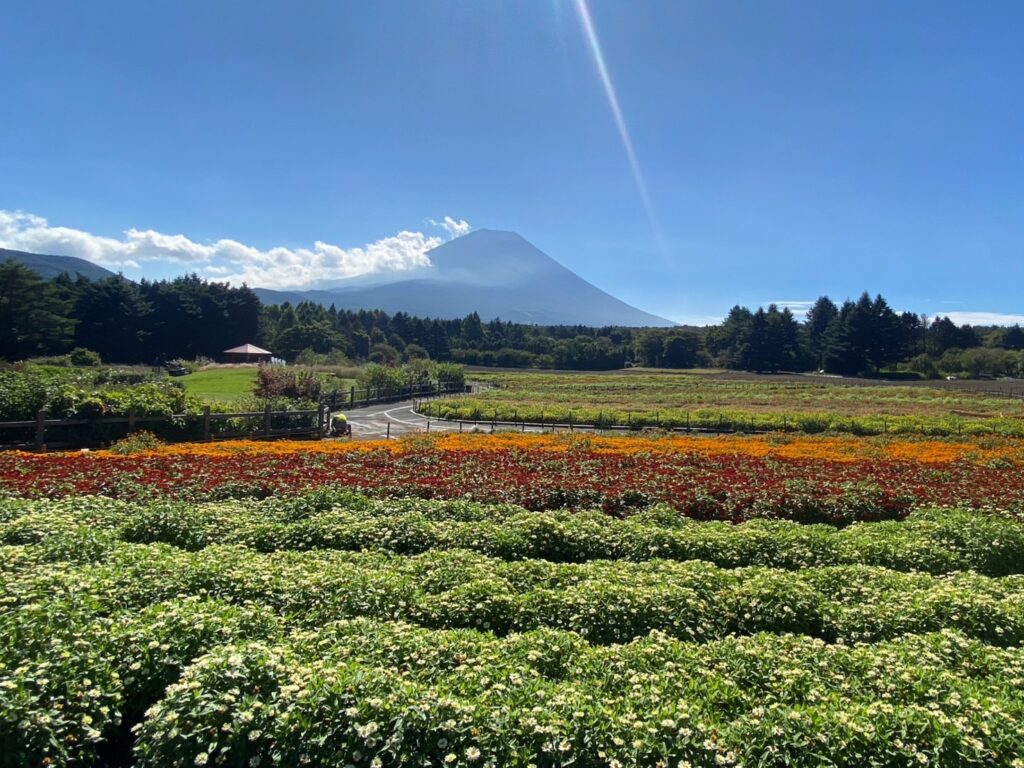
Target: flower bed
(170, 622)
(827, 480)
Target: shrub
(383, 379)
(450, 374)
(82, 357)
(300, 384)
(137, 442)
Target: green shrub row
(934, 541)
(194, 682)
(604, 601)
(722, 420)
(73, 680)
(542, 699)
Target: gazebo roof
(246, 349)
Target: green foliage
(33, 318)
(278, 381)
(930, 541)
(82, 357)
(232, 634)
(137, 442)
(450, 374)
(67, 393)
(735, 404)
(382, 379)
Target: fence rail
(721, 423)
(361, 398)
(197, 426)
(203, 426)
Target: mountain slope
(50, 266)
(494, 273)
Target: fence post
(352, 397)
(206, 423)
(266, 419)
(40, 430)
(131, 420)
(389, 431)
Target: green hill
(51, 266)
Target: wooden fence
(42, 432)
(361, 398)
(196, 426)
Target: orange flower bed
(812, 479)
(783, 447)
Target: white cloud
(983, 318)
(227, 259)
(799, 308)
(452, 227)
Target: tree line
(189, 317)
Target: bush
(450, 375)
(273, 381)
(137, 442)
(384, 379)
(416, 352)
(84, 358)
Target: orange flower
(814, 448)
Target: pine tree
(33, 319)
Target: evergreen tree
(679, 349)
(819, 317)
(1012, 338)
(33, 319)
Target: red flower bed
(730, 487)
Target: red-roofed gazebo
(247, 353)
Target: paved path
(371, 423)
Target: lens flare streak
(620, 121)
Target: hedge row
(367, 693)
(604, 601)
(933, 541)
(719, 420)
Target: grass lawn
(221, 385)
(228, 385)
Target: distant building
(247, 353)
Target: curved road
(371, 423)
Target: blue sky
(788, 148)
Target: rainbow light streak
(620, 121)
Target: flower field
(739, 402)
(833, 480)
(515, 601)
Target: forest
(190, 318)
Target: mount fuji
(494, 273)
